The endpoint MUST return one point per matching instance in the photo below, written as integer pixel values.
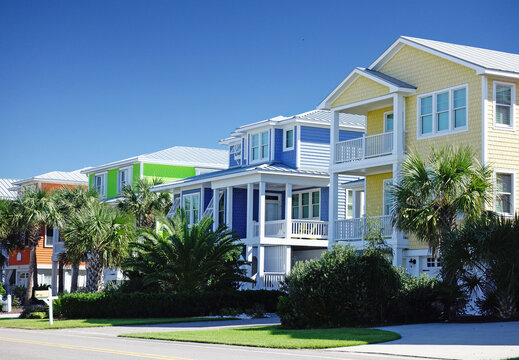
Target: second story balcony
(363, 148)
(300, 229)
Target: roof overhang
(143, 159)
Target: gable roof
(5, 193)
(176, 155)
(65, 177)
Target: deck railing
(354, 229)
(364, 147)
(275, 228)
(273, 280)
(301, 229)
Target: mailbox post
(46, 295)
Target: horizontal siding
(239, 212)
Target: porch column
(288, 211)
(216, 201)
(333, 206)
(54, 278)
(288, 259)
(261, 210)
(398, 126)
(250, 211)
(248, 258)
(228, 207)
(334, 137)
(260, 278)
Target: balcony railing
(273, 280)
(275, 228)
(355, 229)
(301, 229)
(364, 147)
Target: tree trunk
(33, 235)
(61, 278)
(75, 275)
(149, 221)
(95, 276)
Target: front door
(272, 207)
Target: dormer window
(260, 146)
(99, 184)
(123, 179)
(288, 143)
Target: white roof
(66, 177)
(5, 185)
(176, 155)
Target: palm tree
(69, 201)
(10, 234)
(139, 201)
(431, 196)
(101, 233)
(31, 212)
(186, 258)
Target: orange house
(49, 247)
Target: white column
(248, 258)
(398, 126)
(54, 278)
(216, 196)
(250, 211)
(398, 255)
(261, 210)
(288, 210)
(261, 267)
(333, 207)
(228, 207)
(288, 260)
(334, 137)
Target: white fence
(301, 229)
(354, 229)
(273, 280)
(364, 147)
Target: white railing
(273, 280)
(355, 229)
(364, 147)
(275, 228)
(312, 229)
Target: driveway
(448, 341)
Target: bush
(342, 288)
(35, 312)
(115, 304)
(19, 292)
(2, 290)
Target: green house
(171, 164)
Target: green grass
(276, 337)
(39, 324)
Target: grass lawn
(276, 337)
(38, 324)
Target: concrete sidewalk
(448, 341)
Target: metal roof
(387, 78)
(489, 59)
(5, 193)
(176, 155)
(75, 176)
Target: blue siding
(325, 196)
(322, 135)
(232, 162)
(348, 135)
(287, 157)
(243, 159)
(208, 194)
(239, 212)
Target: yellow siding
(430, 73)
(361, 89)
(374, 193)
(375, 121)
(503, 145)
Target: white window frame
(512, 195)
(260, 152)
(349, 197)
(103, 176)
(385, 118)
(129, 174)
(46, 238)
(190, 213)
(510, 127)
(384, 185)
(310, 204)
(452, 129)
(285, 132)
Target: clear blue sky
(88, 82)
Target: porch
(356, 229)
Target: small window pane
(503, 94)
(315, 210)
(306, 198)
(460, 98)
(443, 121)
(315, 197)
(460, 118)
(426, 105)
(264, 152)
(289, 141)
(255, 140)
(264, 138)
(306, 211)
(187, 203)
(389, 122)
(504, 183)
(255, 153)
(49, 231)
(503, 204)
(442, 102)
(426, 124)
(503, 115)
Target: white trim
(484, 120)
(363, 102)
(298, 148)
(386, 113)
(141, 170)
(512, 194)
(45, 238)
(260, 152)
(129, 175)
(285, 132)
(433, 95)
(310, 203)
(279, 201)
(192, 219)
(384, 184)
(497, 126)
(104, 182)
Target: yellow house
(419, 94)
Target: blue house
(275, 192)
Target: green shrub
(34, 312)
(37, 315)
(2, 290)
(342, 288)
(19, 292)
(116, 304)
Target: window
(221, 209)
(349, 204)
(387, 196)
(388, 122)
(433, 262)
(504, 191)
(306, 205)
(504, 95)
(99, 184)
(442, 112)
(288, 144)
(260, 146)
(191, 208)
(49, 236)
(123, 179)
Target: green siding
(168, 172)
(111, 183)
(91, 181)
(136, 173)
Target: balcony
(364, 148)
(355, 229)
(301, 229)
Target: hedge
(146, 305)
